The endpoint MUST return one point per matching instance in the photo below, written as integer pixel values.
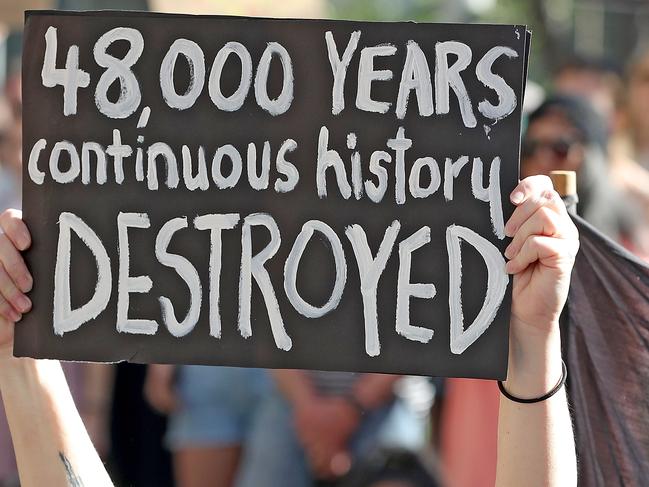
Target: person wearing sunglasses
(566, 133)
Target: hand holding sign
(15, 279)
(542, 255)
(542, 252)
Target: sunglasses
(560, 148)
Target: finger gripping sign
(274, 193)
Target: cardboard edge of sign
(136, 358)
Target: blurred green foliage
(421, 10)
(528, 12)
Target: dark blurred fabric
(137, 458)
(606, 341)
(600, 202)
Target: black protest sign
(274, 193)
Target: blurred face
(639, 101)
(551, 143)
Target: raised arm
(535, 441)
(51, 443)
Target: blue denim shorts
(217, 405)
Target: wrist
(12, 368)
(534, 360)
(23, 379)
(7, 355)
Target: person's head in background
(598, 80)
(638, 103)
(566, 133)
(561, 134)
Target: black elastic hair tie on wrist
(555, 389)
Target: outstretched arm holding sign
(535, 441)
(51, 443)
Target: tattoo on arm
(73, 479)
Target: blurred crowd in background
(586, 110)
